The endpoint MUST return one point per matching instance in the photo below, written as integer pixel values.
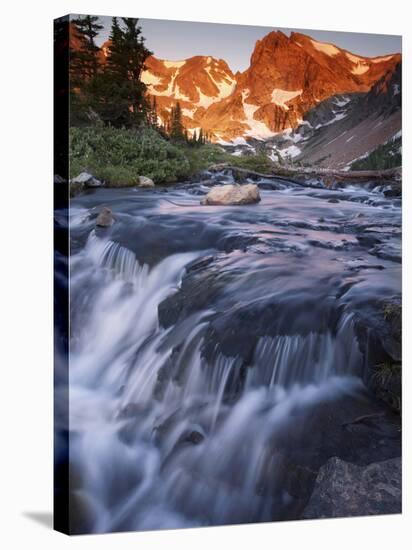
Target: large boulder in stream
(343, 489)
(234, 195)
(143, 181)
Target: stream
(218, 353)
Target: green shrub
(119, 156)
(200, 158)
(384, 372)
(257, 163)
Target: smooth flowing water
(214, 350)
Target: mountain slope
(342, 129)
(196, 83)
(287, 77)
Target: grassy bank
(119, 156)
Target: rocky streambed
(227, 361)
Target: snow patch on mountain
(150, 79)
(225, 86)
(360, 68)
(361, 65)
(178, 94)
(204, 100)
(354, 58)
(381, 59)
(258, 129)
(324, 47)
(342, 101)
(169, 90)
(173, 64)
(281, 97)
(188, 112)
(338, 116)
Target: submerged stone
(105, 217)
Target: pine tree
(84, 66)
(85, 60)
(200, 138)
(115, 57)
(152, 113)
(135, 54)
(176, 129)
(119, 91)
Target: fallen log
(290, 173)
(248, 173)
(390, 173)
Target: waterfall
(157, 437)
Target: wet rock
(203, 176)
(87, 180)
(194, 437)
(392, 192)
(386, 382)
(272, 185)
(143, 181)
(208, 183)
(388, 251)
(131, 410)
(232, 195)
(75, 188)
(379, 332)
(105, 218)
(368, 240)
(343, 489)
(384, 373)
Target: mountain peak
(287, 76)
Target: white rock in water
(143, 181)
(232, 195)
(87, 180)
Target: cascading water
(187, 455)
(164, 434)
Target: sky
(176, 40)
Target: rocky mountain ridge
(295, 89)
(287, 77)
